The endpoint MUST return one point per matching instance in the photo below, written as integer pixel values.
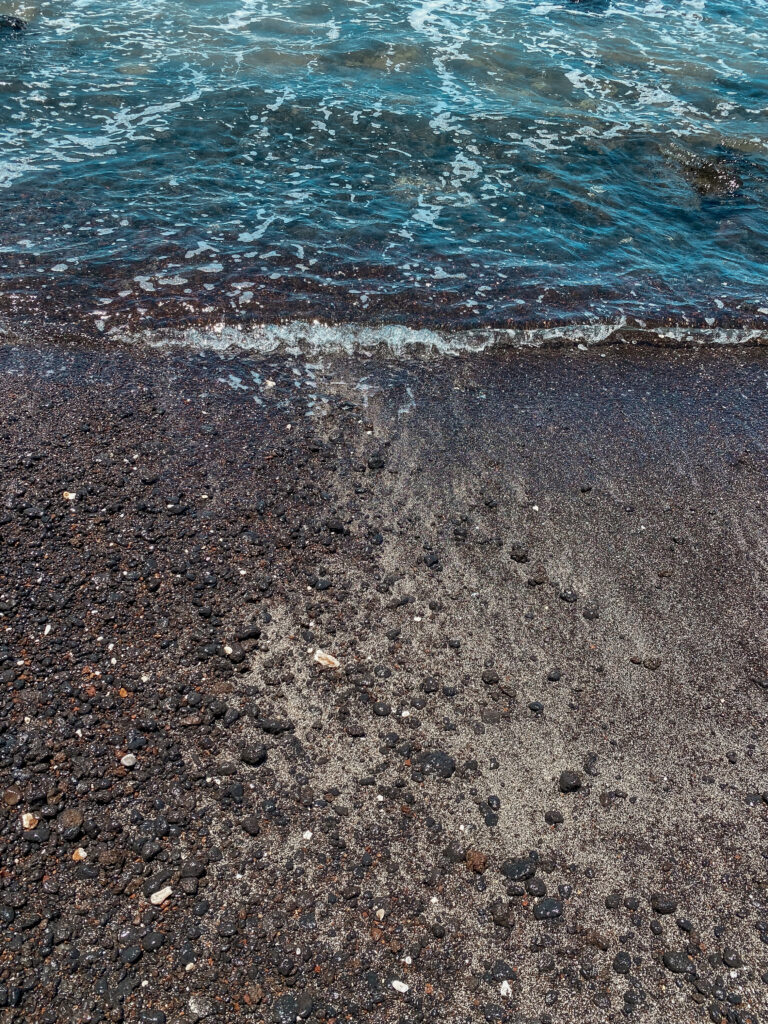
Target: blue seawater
(449, 163)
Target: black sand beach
(533, 790)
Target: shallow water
(439, 163)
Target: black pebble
(663, 904)
(254, 755)
(569, 782)
(622, 963)
(547, 909)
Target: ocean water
(444, 165)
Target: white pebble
(160, 896)
(326, 660)
(128, 761)
(400, 986)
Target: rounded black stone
(569, 782)
(152, 941)
(548, 908)
(254, 754)
(622, 963)
(663, 904)
(678, 963)
(518, 870)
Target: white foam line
(300, 338)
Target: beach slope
(352, 689)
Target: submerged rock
(713, 177)
(10, 23)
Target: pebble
(159, 897)
(518, 870)
(547, 909)
(731, 958)
(663, 904)
(436, 762)
(622, 963)
(200, 1007)
(253, 754)
(326, 660)
(569, 782)
(678, 963)
(400, 986)
(476, 861)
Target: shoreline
(380, 340)
(526, 564)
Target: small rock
(569, 782)
(678, 963)
(253, 754)
(159, 897)
(200, 1007)
(235, 652)
(518, 870)
(519, 553)
(326, 660)
(663, 904)
(12, 796)
(731, 958)
(622, 963)
(436, 762)
(547, 909)
(251, 825)
(476, 861)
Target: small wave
(317, 339)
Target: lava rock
(569, 782)
(436, 762)
(518, 870)
(678, 963)
(254, 755)
(548, 909)
(622, 963)
(663, 904)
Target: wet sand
(532, 789)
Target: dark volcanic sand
(526, 565)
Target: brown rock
(597, 940)
(476, 861)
